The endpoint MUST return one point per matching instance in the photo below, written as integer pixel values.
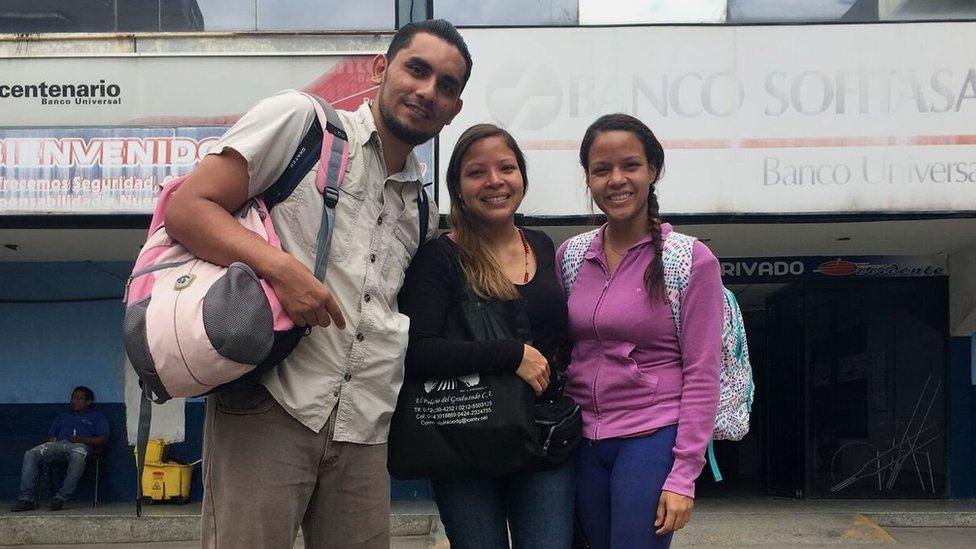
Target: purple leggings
(618, 486)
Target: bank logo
(524, 98)
(879, 268)
(434, 385)
(58, 93)
(837, 267)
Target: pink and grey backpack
(191, 326)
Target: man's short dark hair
(440, 28)
(89, 394)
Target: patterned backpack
(735, 373)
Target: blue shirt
(87, 423)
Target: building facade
(824, 150)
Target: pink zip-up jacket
(629, 372)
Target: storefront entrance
(850, 399)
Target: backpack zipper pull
(125, 292)
(249, 205)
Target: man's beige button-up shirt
(359, 370)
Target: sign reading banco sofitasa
(60, 93)
(754, 119)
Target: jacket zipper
(599, 366)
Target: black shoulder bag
(482, 425)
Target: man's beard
(400, 130)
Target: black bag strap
(142, 440)
(302, 161)
(423, 214)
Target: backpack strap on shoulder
(306, 155)
(334, 158)
(676, 254)
(573, 256)
(713, 461)
(423, 214)
(332, 144)
(335, 150)
(330, 148)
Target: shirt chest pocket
(301, 214)
(402, 248)
(350, 224)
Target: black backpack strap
(309, 152)
(142, 440)
(423, 214)
(306, 155)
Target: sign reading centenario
(57, 93)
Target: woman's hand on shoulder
(673, 512)
(534, 369)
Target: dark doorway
(876, 362)
(785, 395)
(850, 399)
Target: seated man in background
(72, 437)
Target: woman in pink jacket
(648, 397)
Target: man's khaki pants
(266, 474)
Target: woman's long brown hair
(483, 273)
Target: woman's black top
(432, 295)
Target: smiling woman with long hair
(487, 256)
(648, 395)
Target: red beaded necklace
(525, 244)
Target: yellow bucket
(155, 449)
(166, 482)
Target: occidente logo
(96, 93)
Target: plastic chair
(94, 459)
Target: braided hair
(654, 275)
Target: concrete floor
(764, 523)
(416, 542)
(921, 538)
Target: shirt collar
(368, 135)
(596, 247)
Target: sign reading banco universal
(755, 119)
(61, 93)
